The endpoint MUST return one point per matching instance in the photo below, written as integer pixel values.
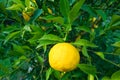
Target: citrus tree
(29, 29)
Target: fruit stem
(62, 74)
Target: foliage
(29, 28)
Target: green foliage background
(29, 28)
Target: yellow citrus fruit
(63, 57)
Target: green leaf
(12, 36)
(5, 67)
(2, 6)
(58, 27)
(74, 12)
(100, 54)
(36, 36)
(106, 78)
(54, 19)
(84, 42)
(17, 1)
(88, 69)
(114, 27)
(115, 22)
(48, 73)
(102, 14)
(36, 14)
(48, 39)
(115, 18)
(65, 76)
(116, 75)
(39, 3)
(64, 8)
(57, 74)
(18, 61)
(84, 28)
(116, 44)
(84, 51)
(117, 51)
(18, 48)
(11, 29)
(37, 33)
(90, 77)
(40, 59)
(23, 57)
(51, 37)
(15, 7)
(27, 3)
(27, 28)
(45, 42)
(36, 28)
(89, 9)
(67, 27)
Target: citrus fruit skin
(63, 57)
